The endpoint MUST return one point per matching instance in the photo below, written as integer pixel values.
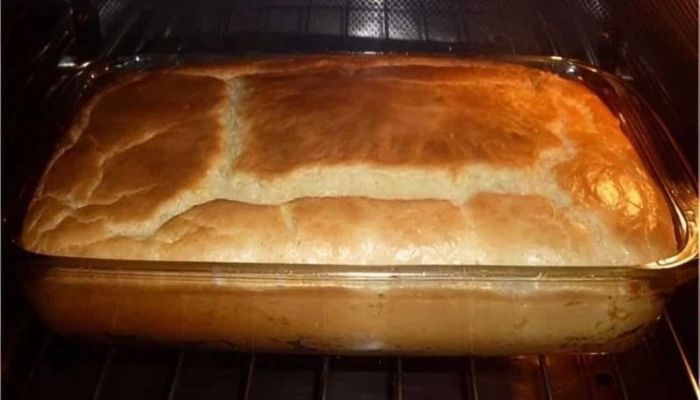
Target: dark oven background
(652, 44)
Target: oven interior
(651, 44)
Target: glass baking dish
(346, 309)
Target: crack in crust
(350, 160)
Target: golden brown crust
(315, 230)
(395, 116)
(139, 151)
(350, 159)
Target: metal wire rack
(80, 371)
(486, 27)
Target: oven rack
(62, 368)
(476, 26)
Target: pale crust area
(350, 160)
(316, 230)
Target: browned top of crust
(138, 145)
(141, 170)
(420, 116)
